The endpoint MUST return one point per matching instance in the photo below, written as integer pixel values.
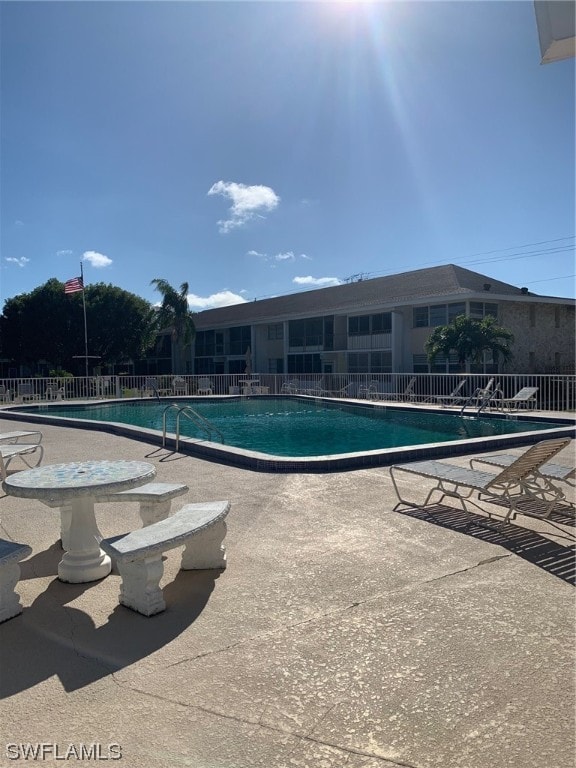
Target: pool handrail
(196, 418)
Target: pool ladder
(200, 421)
(480, 400)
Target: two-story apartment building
(381, 326)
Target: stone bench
(138, 555)
(10, 555)
(155, 503)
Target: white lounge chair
(369, 390)
(17, 436)
(549, 470)
(524, 398)
(5, 395)
(454, 398)
(9, 452)
(402, 396)
(520, 481)
(290, 387)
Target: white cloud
(286, 256)
(321, 282)
(98, 260)
(247, 202)
(21, 262)
(220, 299)
(64, 252)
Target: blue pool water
(300, 428)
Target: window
(441, 364)
(438, 315)
(382, 323)
(420, 317)
(419, 364)
(304, 364)
(358, 362)
(381, 362)
(359, 326)
(455, 310)
(306, 333)
(205, 344)
(240, 340)
(275, 331)
(479, 310)
(275, 365)
(364, 325)
(370, 362)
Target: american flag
(73, 285)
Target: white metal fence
(555, 392)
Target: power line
(472, 259)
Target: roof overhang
(556, 22)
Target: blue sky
(254, 149)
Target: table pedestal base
(84, 561)
(76, 570)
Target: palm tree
(469, 339)
(174, 313)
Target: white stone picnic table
(79, 484)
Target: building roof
(416, 286)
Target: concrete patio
(342, 633)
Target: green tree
(469, 339)
(120, 324)
(175, 314)
(47, 324)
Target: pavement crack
(348, 752)
(328, 614)
(479, 564)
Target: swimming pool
(301, 434)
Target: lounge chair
(549, 470)
(482, 396)
(402, 396)
(520, 481)
(369, 391)
(5, 396)
(524, 398)
(15, 437)
(290, 387)
(9, 452)
(205, 387)
(179, 386)
(454, 398)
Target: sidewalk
(341, 634)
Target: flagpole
(85, 325)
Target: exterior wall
(544, 336)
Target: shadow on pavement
(554, 558)
(52, 638)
